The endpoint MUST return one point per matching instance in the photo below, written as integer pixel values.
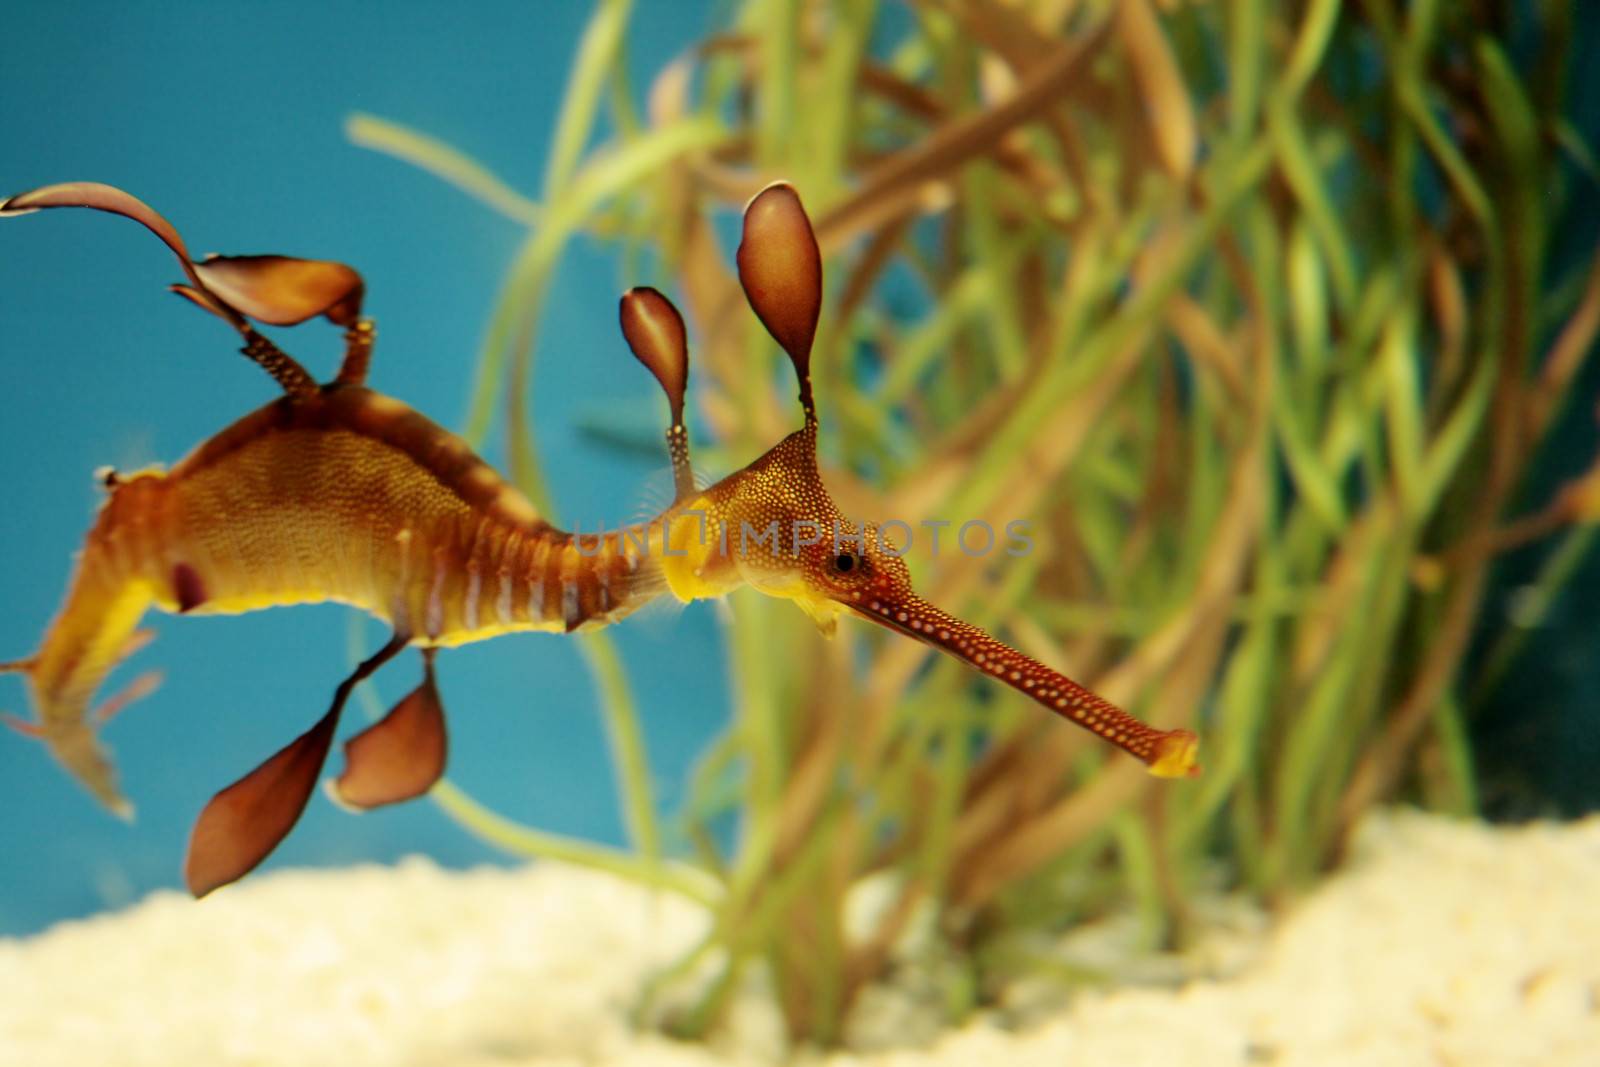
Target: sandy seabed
(1442, 943)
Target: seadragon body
(346, 495)
(337, 492)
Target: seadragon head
(772, 525)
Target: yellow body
(348, 496)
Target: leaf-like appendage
(277, 290)
(399, 757)
(654, 331)
(102, 197)
(241, 825)
(780, 268)
(282, 290)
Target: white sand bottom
(1442, 943)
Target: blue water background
(229, 119)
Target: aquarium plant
(1258, 315)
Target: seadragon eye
(846, 563)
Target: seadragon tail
(96, 629)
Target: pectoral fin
(825, 613)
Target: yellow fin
(825, 613)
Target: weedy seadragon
(336, 492)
